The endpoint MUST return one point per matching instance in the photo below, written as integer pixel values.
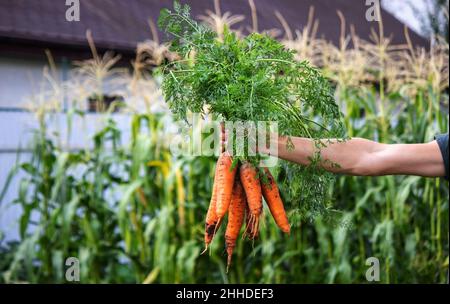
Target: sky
(403, 11)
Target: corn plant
(133, 213)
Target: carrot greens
(253, 78)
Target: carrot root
(272, 197)
(225, 178)
(236, 215)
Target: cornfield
(133, 213)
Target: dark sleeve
(442, 141)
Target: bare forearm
(359, 156)
(345, 154)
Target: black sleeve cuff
(442, 140)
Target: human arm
(358, 156)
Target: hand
(224, 141)
(223, 137)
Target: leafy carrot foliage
(250, 79)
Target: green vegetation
(252, 79)
(134, 213)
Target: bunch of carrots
(240, 194)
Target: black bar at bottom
(232, 293)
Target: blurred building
(29, 27)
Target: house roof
(119, 25)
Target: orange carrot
(225, 181)
(252, 188)
(273, 200)
(249, 225)
(236, 214)
(212, 221)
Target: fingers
(224, 139)
(223, 136)
(253, 140)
